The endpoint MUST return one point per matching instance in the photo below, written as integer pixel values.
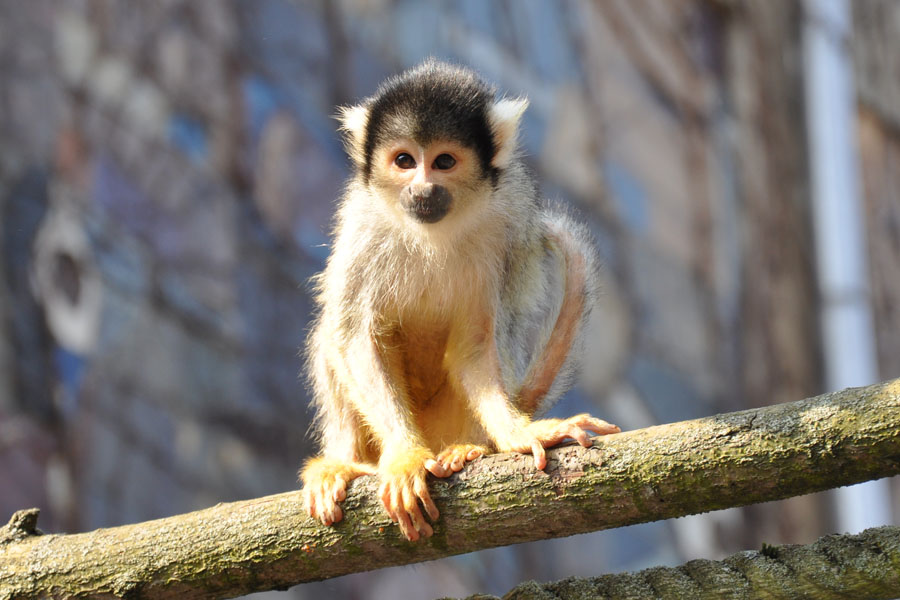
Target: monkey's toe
(586, 423)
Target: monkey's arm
(371, 369)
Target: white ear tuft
(353, 123)
(504, 116)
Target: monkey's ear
(353, 121)
(504, 116)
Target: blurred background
(168, 172)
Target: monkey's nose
(427, 204)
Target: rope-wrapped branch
(836, 567)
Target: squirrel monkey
(452, 304)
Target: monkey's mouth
(427, 206)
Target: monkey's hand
(453, 458)
(325, 484)
(403, 487)
(545, 433)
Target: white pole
(840, 245)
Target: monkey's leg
(556, 357)
(325, 477)
(379, 396)
(512, 429)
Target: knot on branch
(22, 524)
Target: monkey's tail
(544, 371)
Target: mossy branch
(837, 567)
(650, 474)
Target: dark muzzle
(428, 204)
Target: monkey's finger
(427, 531)
(406, 526)
(436, 468)
(317, 509)
(411, 506)
(309, 502)
(540, 455)
(332, 511)
(339, 489)
(396, 509)
(457, 463)
(326, 515)
(421, 490)
(473, 454)
(385, 494)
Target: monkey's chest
(442, 414)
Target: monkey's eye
(405, 161)
(444, 162)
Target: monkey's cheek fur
(427, 206)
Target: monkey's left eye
(405, 161)
(444, 162)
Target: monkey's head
(433, 141)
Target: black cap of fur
(441, 101)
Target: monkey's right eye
(405, 161)
(444, 162)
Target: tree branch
(655, 473)
(845, 567)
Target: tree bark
(845, 567)
(656, 473)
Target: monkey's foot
(403, 487)
(453, 458)
(325, 484)
(545, 433)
